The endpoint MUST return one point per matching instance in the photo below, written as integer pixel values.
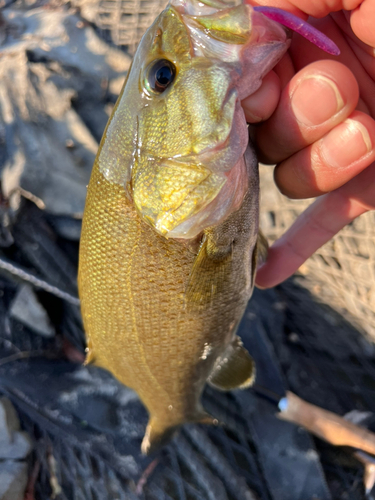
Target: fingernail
(252, 117)
(345, 144)
(316, 100)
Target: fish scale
(170, 230)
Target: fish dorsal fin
(234, 370)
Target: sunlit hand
(316, 122)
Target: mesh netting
(127, 20)
(346, 264)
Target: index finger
(315, 226)
(315, 8)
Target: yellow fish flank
(170, 230)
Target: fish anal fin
(206, 419)
(234, 370)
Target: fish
(170, 235)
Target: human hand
(317, 124)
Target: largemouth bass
(170, 231)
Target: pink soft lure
(301, 27)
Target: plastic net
(127, 20)
(345, 265)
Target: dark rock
(27, 309)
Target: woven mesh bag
(127, 20)
(346, 264)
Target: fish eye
(160, 75)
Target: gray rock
(9, 422)
(27, 309)
(67, 227)
(17, 449)
(13, 480)
(47, 150)
(58, 35)
(14, 444)
(36, 123)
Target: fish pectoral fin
(208, 274)
(262, 248)
(234, 370)
(157, 435)
(259, 256)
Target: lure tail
(301, 27)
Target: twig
(145, 475)
(29, 494)
(368, 462)
(54, 482)
(25, 355)
(325, 424)
(39, 283)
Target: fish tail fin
(157, 435)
